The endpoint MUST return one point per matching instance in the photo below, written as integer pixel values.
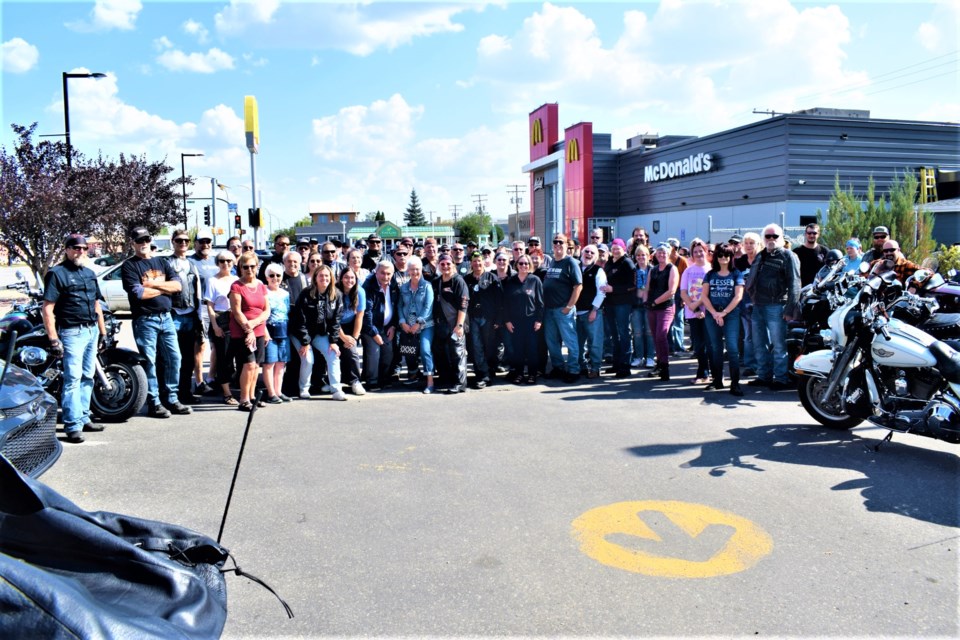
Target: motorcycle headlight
(33, 356)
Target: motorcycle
(120, 382)
(882, 369)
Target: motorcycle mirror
(921, 275)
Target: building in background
(781, 169)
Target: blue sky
(360, 102)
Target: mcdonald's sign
(573, 150)
(536, 132)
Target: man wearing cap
(72, 314)
(150, 282)
(186, 313)
(561, 290)
(880, 235)
(303, 250)
(534, 243)
(206, 264)
(430, 255)
(372, 255)
(812, 255)
(736, 244)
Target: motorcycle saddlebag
(69, 573)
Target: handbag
(410, 345)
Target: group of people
(354, 316)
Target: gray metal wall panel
(605, 185)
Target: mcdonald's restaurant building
(781, 169)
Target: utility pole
(514, 190)
(480, 199)
(455, 210)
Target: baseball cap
(205, 233)
(139, 232)
(444, 247)
(603, 247)
(373, 237)
(75, 240)
(534, 239)
(475, 254)
(673, 242)
(881, 229)
(360, 244)
(472, 243)
(303, 242)
(736, 238)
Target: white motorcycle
(881, 369)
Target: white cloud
(374, 154)
(110, 14)
(197, 30)
(687, 62)
(357, 27)
(939, 33)
(209, 62)
(19, 56)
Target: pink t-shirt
(253, 302)
(692, 282)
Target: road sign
(618, 535)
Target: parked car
(28, 422)
(111, 286)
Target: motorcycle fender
(817, 364)
(126, 356)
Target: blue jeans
(676, 329)
(770, 342)
(561, 330)
(322, 344)
(729, 333)
(747, 357)
(617, 323)
(591, 335)
(642, 335)
(79, 366)
(156, 336)
(426, 350)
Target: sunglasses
(233, 247)
(182, 240)
(221, 261)
(523, 264)
(78, 247)
(501, 260)
(458, 248)
(314, 261)
(329, 251)
(889, 250)
(282, 244)
(273, 275)
(771, 236)
(248, 248)
(401, 255)
(205, 241)
(559, 242)
(143, 240)
(879, 237)
(248, 267)
(813, 233)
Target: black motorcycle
(120, 382)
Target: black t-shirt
(134, 272)
(450, 297)
(74, 291)
(811, 261)
(561, 278)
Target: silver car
(111, 285)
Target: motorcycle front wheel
(125, 396)
(825, 411)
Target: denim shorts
(277, 351)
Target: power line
(480, 198)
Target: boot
(735, 389)
(664, 371)
(655, 371)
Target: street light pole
(183, 182)
(66, 109)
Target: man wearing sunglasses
(880, 236)
(774, 286)
(150, 282)
(281, 244)
(561, 290)
(812, 255)
(207, 266)
(186, 314)
(71, 313)
(895, 260)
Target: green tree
(413, 216)
(291, 232)
(41, 201)
(475, 226)
(850, 215)
(374, 216)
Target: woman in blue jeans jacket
(416, 314)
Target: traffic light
(206, 215)
(255, 217)
(236, 221)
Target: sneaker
(158, 411)
(74, 437)
(482, 384)
(757, 382)
(274, 400)
(285, 398)
(326, 389)
(304, 394)
(92, 428)
(428, 390)
(338, 395)
(636, 363)
(180, 409)
(358, 389)
(649, 362)
(203, 389)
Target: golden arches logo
(536, 132)
(573, 150)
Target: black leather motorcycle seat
(948, 361)
(941, 325)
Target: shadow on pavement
(902, 479)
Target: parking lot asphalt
(602, 508)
